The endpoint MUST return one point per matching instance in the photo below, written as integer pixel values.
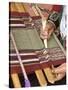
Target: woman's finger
(60, 76)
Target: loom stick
(40, 77)
(49, 75)
(15, 80)
(44, 25)
(27, 82)
(59, 44)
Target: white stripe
(21, 54)
(23, 61)
(15, 19)
(17, 25)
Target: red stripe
(57, 8)
(18, 15)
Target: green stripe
(27, 39)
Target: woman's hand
(46, 33)
(60, 71)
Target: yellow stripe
(49, 75)
(20, 7)
(15, 80)
(13, 7)
(41, 78)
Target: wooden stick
(40, 77)
(59, 44)
(45, 41)
(43, 28)
(15, 80)
(44, 25)
(49, 75)
(27, 83)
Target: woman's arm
(53, 22)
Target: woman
(55, 20)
